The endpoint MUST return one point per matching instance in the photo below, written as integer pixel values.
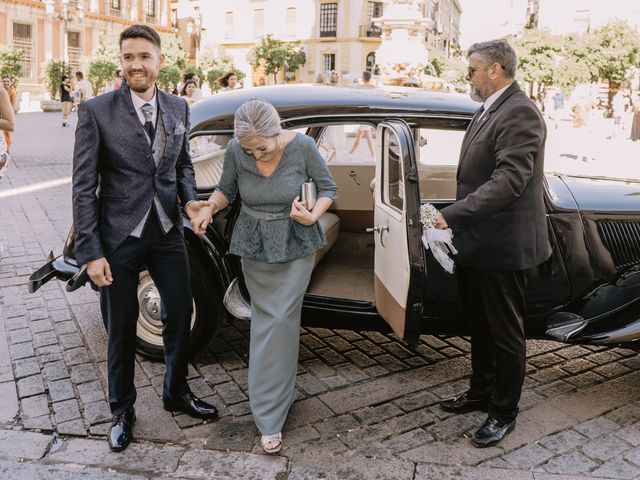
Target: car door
(399, 262)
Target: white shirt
(493, 97)
(138, 103)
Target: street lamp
(65, 17)
(194, 28)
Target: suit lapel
(135, 124)
(476, 126)
(168, 118)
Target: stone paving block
(380, 413)
(569, 463)
(390, 363)
(359, 358)
(384, 389)
(154, 423)
(42, 423)
(320, 369)
(76, 356)
(617, 468)
(152, 369)
(16, 323)
(538, 422)
(417, 400)
(230, 393)
(38, 326)
(577, 365)
(597, 427)
(612, 370)
(50, 353)
(21, 350)
(630, 434)
(407, 441)
(36, 471)
(528, 456)
(427, 471)
(555, 389)
(231, 361)
(34, 315)
(15, 311)
(83, 373)
(71, 340)
(147, 457)
(30, 386)
(307, 466)
(35, 406)
(239, 409)
(564, 441)
(9, 402)
(310, 384)
(54, 371)
(72, 427)
(25, 367)
(100, 430)
(43, 339)
(97, 412)
(408, 421)
(604, 448)
(633, 362)
(15, 445)
(625, 415)
(335, 381)
(456, 426)
(603, 357)
(429, 353)
(444, 453)
(351, 373)
(633, 456)
(60, 390)
(546, 360)
(337, 425)
(214, 373)
(65, 326)
(339, 343)
(306, 412)
(369, 348)
(330, 356)
(573, 352)
(228, 465)
(66, 410)
(585, 379)
(548, 374)
(20, 335)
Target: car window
(348, 143)
(393, 192)
(438, 154)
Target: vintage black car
(374, 274)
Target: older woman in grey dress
(277, 238)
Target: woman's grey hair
(256, 118)
(496, 51)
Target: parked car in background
(374, 273)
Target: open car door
(400, 271)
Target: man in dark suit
(131, 163)
(500, 231)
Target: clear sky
(488, 19)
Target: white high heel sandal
(272, 443)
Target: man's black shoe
(121, 434)
(492, 432)
(464, 403)
(191, 405)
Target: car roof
(307, 100)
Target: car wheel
(208, 314)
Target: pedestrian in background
(188, 92)
(83, 87)
(334, 78)
(500, 231)
(7, 124)
(635, 123)
(191, 76)
(277, 238)
(65, 98)
(134, 144)
(13, 99)
(229, 82)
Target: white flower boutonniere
(440, 242)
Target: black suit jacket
(115, 177)
(499, 219)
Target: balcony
(370, 31)
(328, 33)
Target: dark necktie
(147, 111)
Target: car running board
(564, 325)
(235, 303)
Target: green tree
(10, 65)
(618, 50)
(276, 56)
(100, 72)
(539, 53)
(52, 76)
(168, 77)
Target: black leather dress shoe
(191, 405)
(465, 403)
(492, 432)
(121, 431)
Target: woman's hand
(200, 213)
(300, 214)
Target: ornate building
(336, 35)
(70, 29)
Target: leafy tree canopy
(10, 65)
(276, 55)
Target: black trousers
(166, 259)
(494, 306)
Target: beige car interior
(345, 266)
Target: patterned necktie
(147, 111)
(479, 117)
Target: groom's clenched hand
(99, 272)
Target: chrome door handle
(379, 229)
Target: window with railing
(75, 50)
(228, 25)
(328, 19)
(329, 62)
(114, 8)
(23, 41)
(258, 23)
(374, 10)
(151, 8)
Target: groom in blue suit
(131, 164)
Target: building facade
(70, 30)
(336, 35)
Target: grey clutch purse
(309, 194)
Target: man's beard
(475, 94)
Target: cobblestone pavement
(361, 397)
